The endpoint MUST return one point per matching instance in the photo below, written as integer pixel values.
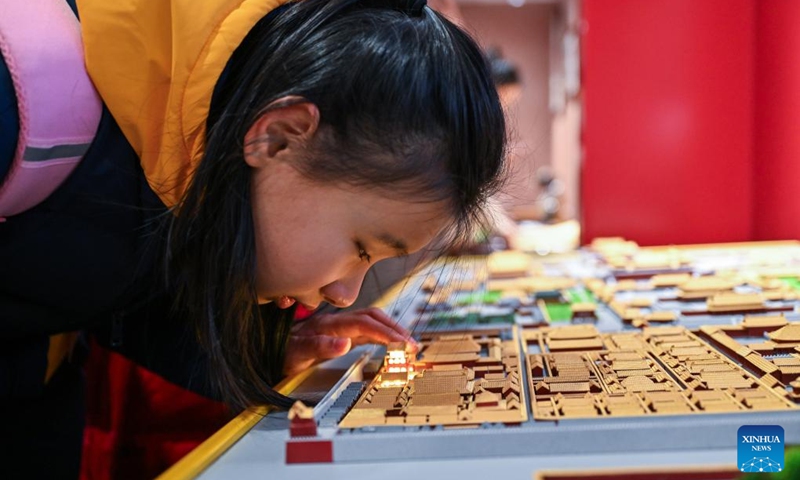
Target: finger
(357, 325)
(306, 350)
(376, 313)
(310, 326)
(380, 316)
(362, 341)
(385, 319)
(318, 347)
(411, 345)
(360, 325)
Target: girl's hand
(331, 335)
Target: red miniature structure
(301, 421)
(302, 447)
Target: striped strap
(59, 109)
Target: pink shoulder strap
(59, 109)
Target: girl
(250, 157)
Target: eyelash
(362, 252)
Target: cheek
(299, 263)
(288, 267)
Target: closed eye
(362, 252)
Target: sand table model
(459, 380)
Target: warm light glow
(397, 361)
(393, 383)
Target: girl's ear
(281, 131)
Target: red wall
(669, 120)
(777, 126)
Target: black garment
(86, 258)
(42, 436)
(83, 257)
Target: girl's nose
(343, 293)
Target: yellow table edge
(193, 464)
(210, 450)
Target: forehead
(379, 215)
(403, 224)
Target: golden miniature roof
(789, 333)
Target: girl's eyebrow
(396, 244)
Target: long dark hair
(406, 105)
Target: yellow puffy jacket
(155, 64)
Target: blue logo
(760, 448)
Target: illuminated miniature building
(398, 368)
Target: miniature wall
(668, 128)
